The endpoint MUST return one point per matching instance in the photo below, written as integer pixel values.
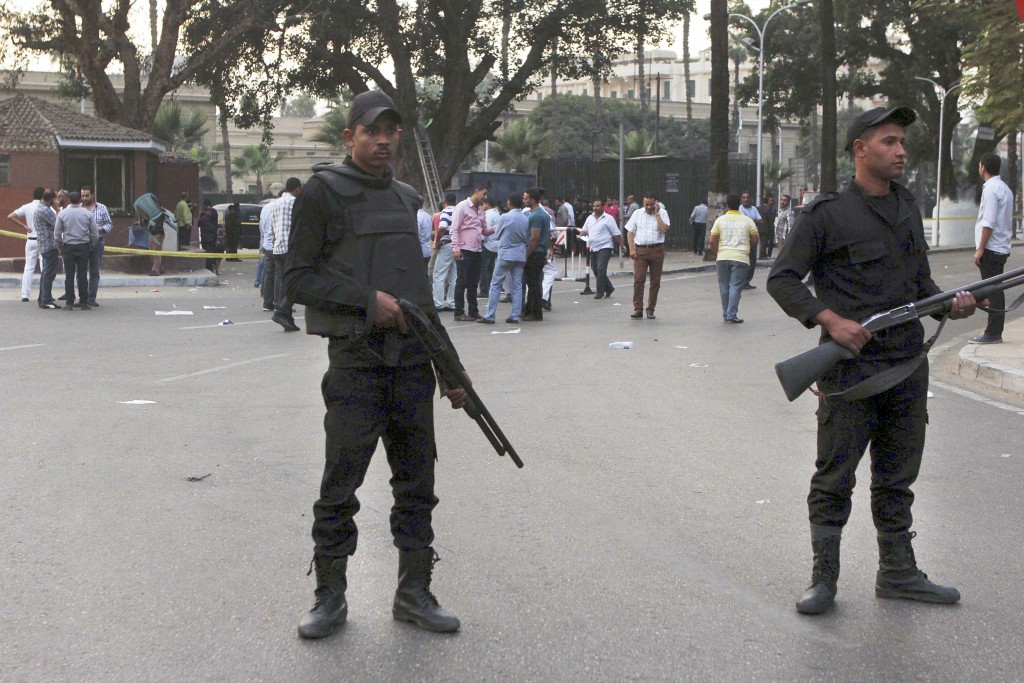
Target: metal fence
(680, 184)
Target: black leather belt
(649, 246)
(32, 238)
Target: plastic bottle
(621, 345)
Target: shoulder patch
(818, 201)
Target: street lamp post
(760, 77)
(938, 169)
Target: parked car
(250, 215)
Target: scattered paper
(1006, 455)
(931, 395)
(154, 290)
(515, 331)
(175, 312)
(698, 365)
(762, 502)
(225, 322)
(616, 304)
(193, 290)
(214, 308)
(575, 302)
(680, 347)
(136, 402)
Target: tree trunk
(1012, 175)
(686, 71)
(642, 82)
(226, 144)
(827, 29)
(735, 121)
(555, 119)
(598, 131)
(718, 172)
(153, 34)
(506, 29)
(813, 167)
(949, 124)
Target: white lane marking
(966, 393)
(223, 367)
(24, 346)
(251, 322)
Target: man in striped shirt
(280, 229)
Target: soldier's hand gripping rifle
(798, 373)
(450, 370)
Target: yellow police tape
(152, 252)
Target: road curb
(203, 278)
(979, 369)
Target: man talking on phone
(646, 232)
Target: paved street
(657, 533)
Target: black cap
(367, 106)
(903, 116)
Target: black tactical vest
(375, 240)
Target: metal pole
(938, 163)
(760, 110)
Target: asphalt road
(658, 531)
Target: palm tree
(519, 146)
(205, 158)
(255, 160)
(181, 131)
(331, 131)
(774, 174)
(636, 143)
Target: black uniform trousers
(467, 282)
(893, 423)
(363, 406)
(533, 282)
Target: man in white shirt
(24, 217)
(266, 279)
(603, 233)
(646, 231)
(992, 235)
(751, 212)
(699, 226)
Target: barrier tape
(152, 252)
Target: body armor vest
(374, 240)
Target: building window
(630, 94)
(105, 173)
(584, 92)
(615, 94)
(691, 88)
(666, 88)
(5, 169)
(540, 96)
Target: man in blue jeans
(734, 238)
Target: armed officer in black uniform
(866, 249)
(354, 251)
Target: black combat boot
(330, 609)
(899, 577)
(413, 600)
(821, 594)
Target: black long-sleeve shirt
(867, 254)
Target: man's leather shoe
(512, 321)
(463, 318)
(749, 286)
(637, 315)
(650, 315)
(599, 296)
(92, 302)
(530, 319)
(485, 321)
(987, 339)
(734, 321)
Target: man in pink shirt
(469, 225)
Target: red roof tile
(30, 124)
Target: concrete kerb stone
(199, 278)
(975, 366)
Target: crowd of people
(67, 225)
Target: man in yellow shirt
(733, 236)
